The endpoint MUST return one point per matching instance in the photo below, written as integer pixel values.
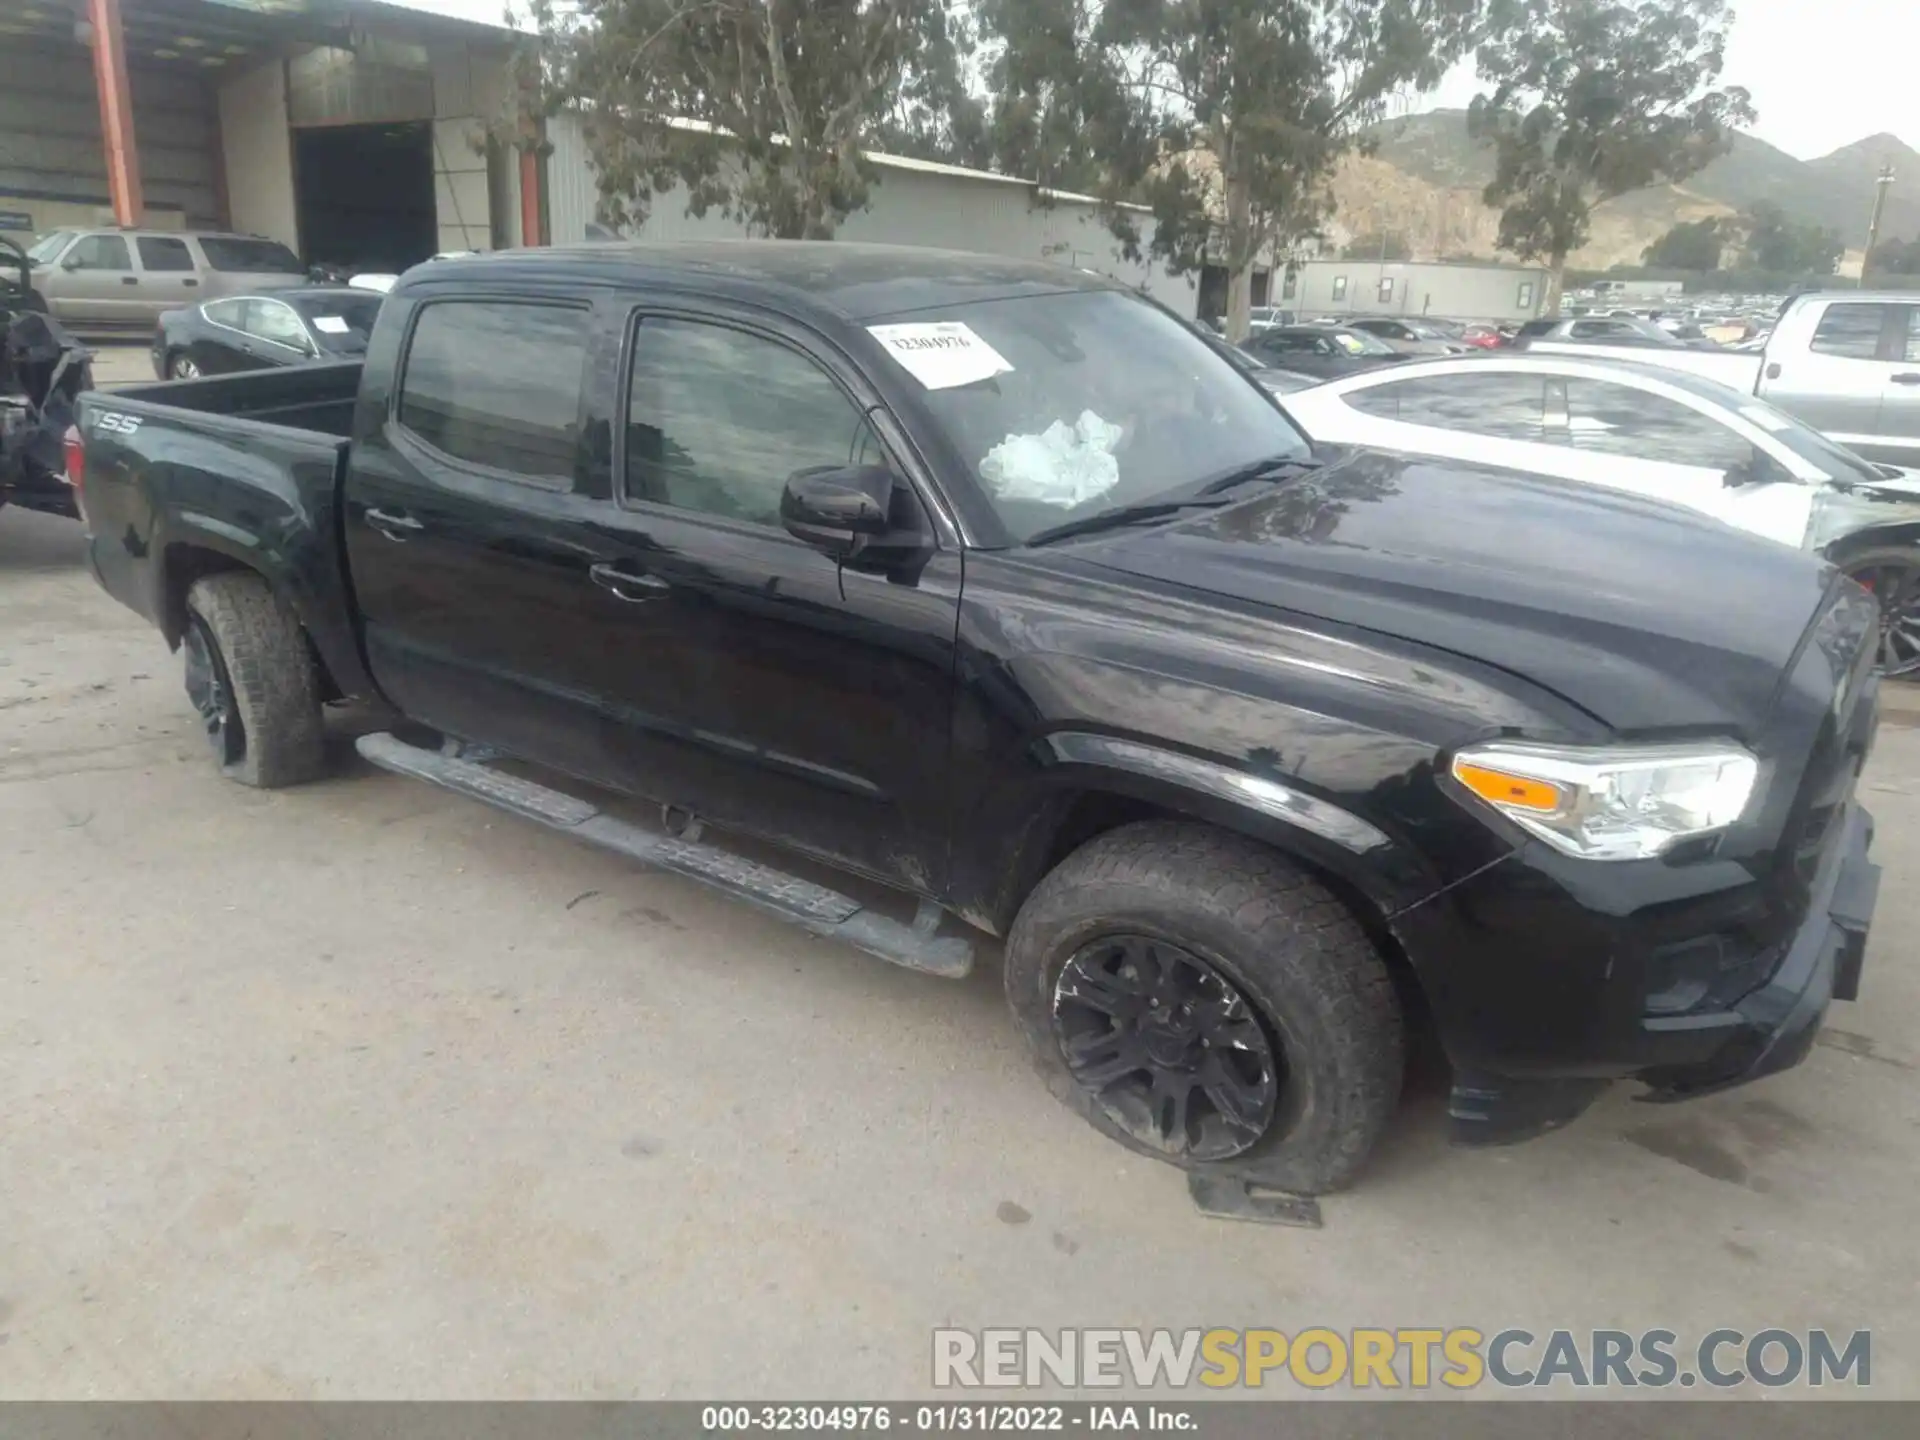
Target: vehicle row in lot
(116, 279)
(995, 583)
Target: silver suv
(110, 279)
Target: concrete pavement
(362, 1090)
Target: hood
(1648, 616)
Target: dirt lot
(362, 1090)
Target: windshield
(260, 257)
(48, 246)
(341, 323)
(1063, 406)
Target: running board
(812, 907)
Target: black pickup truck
(990, 593)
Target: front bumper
(1770, 1029)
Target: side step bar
(812, 907)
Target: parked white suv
(111, 279)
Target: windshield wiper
(1207, 496)
(1116, 518)
(1273, 467)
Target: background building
(353, 131)
(1463, 291)
(913, 202)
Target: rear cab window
(233, 253)
(497, 384)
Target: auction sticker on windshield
(941, 354)
(330, 324)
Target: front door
(751, 678)
(1900, 403)
(97, 283)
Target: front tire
(1205, 1001)
(182, 367)
(1892, 573)
(252, 680)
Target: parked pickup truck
(1848, 364)
(993, 598)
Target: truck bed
(170, 468)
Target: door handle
(1911, 377)
(395, 526)
(129, 279)
(189, 283)
(625, 585)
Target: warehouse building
(350, 130)
(912, 202)
(1453, 290)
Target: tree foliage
(1694, 245)
(1896, 257)
(1775, 241)
(1378, 245)
(761, 108)
(1224, 117)
(1593, 99)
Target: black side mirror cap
(838, 509)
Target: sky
(1823, 73)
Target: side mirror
(838, 509)
(72, 262)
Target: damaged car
(43, 371)
(1653, 431)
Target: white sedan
(1654, 432)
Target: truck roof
(855, 281)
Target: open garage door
(365, 195)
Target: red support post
(116, 112)
(529, 198)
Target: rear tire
(1266, 1025)
(181, 367)
(252, 679)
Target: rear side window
(159, 252)
(1850, 331)
(260, 257)
(1506, 407)
(498, 384)
(225, 312)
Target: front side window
(1507, 407)
(1067, 405)
(270, 320)
(46, 248)
(99, 252)
(161, 252)
(497, 384)
(1850, 331)
(1620, 420)
(718, 418)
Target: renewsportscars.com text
(1460, 1358)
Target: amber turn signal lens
(1502, 788)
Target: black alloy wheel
(211, 692)
(1895, 583)
(1167, 1046)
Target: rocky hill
(1426, 174)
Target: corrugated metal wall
(989, 214)
(51, 157)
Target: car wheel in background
(1203, 1000)
(250, 677)
(181, 367)
(1893, 575)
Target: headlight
(1629, 803)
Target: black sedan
(1325, 352)
(254, 332)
